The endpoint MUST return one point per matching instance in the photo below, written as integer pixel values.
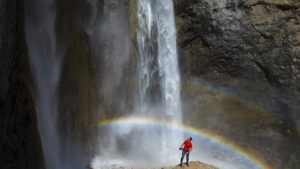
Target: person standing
(187, 149)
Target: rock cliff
(235, 55)
(20, 145)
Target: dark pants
(187, 156)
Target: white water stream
(158, 63)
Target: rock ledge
(192, 165)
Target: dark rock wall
(94, 82)
(249, 50)
(250, 46)
(20, 145)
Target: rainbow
(225, 143)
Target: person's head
(190, 138)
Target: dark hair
(191, 138)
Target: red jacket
(187, 145)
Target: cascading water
(168, 64)
(158, 94)
(158, 62)
(146, 47)
(167, 60)
(45, 63)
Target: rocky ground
(192, 165)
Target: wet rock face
(92, 82)
(19, 139)
(251, 47)
(5, 60)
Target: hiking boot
(187, 164)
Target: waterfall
(157, 56)
(45, 61)
(168, 66)
(157, 95)
(145, 52)
(167, 60)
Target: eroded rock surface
(249, 50)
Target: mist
(45, 61)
